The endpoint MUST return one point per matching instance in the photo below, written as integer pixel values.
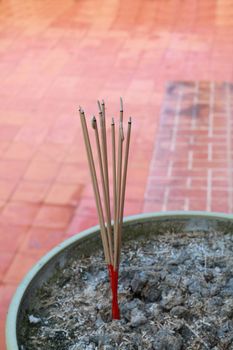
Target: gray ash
(175, 292)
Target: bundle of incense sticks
(110, 233)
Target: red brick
(133, 207)
(41, 239)
(6, 189)
(220, 194)
(31, 191)
(64, 194)
(200, 156)
(80, 223)
(155, 192)
(51, 151)
(198, 183)
(3, 146)
(73, 174)
(189, 193)
(186, 173)
(219, 173)
(8, 132)
(223, 183)
(221, 164)
(19, 267)
(19, 150)
(220, 206)
(152, 206)
(197, 204)
(134, 192)
(5, 260)
(42, 171)
(54, 216)
(2, 332)
(12, 169)
(175, 205)
(19, 213)
(32, 134)
(11, 236)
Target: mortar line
(169, 169)
(190, 160)
(165, 199)
(188, 182)
(186, 204)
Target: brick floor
(56, 55)
(191, 166)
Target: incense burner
(87, 241)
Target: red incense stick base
(113, 274)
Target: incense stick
(114, 169)
(111, 245)
(109, 228)
(117, 225)
(104, 146)
(105, 162)
(124, 182)
(119, 175)
(125, 166)
(121, 110)
(100, 108)
(95, 186)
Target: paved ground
(56, 55)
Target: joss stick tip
(121, 103)
(99, 105)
